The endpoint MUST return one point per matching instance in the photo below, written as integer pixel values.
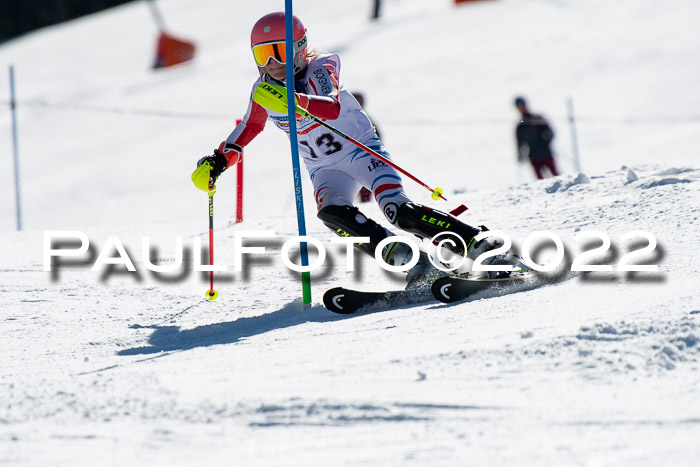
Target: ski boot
(477, 248)
(422, 274)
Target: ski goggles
(276, 51)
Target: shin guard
(348, 221)
(427, 222)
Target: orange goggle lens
(263, 53)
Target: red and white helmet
(267, 39)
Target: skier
(338, 169)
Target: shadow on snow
(171, 338)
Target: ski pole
(436, 192)
(274, 97)
(211, 293)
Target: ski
(452, 289)
(348, 301)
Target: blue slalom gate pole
(291, 105)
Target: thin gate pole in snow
(157, 17)
(13, 105)
(574, 140)
(291, 105)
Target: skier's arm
(251, 125)
(326, 108)
(230, 151)
(324, 102)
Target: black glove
(218, 164)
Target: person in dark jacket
(534, 136)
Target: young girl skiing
(337, 168)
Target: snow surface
(115, 368)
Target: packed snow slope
(110, 367)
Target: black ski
(348, 301)
(445, 289)
(453, 289)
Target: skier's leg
(380, 179)
(387, 187)
(427, 222)
(422, 221)
(333, 187)
(334, 190)
(348, 221)
(552, 166)
(537, 166)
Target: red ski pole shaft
(274, 97)
(211, 293)
(211, 241)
